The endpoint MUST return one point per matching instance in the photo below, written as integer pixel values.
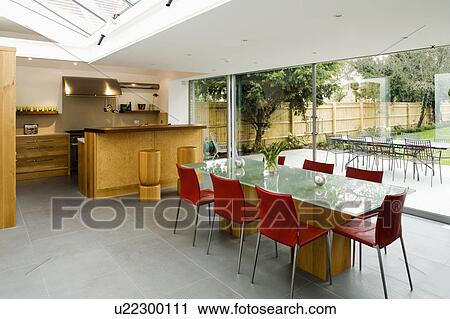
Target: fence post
(408, 112)
(333, 115)
(291, 121)
(388, 113)
(361, 115)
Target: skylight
(82, 16)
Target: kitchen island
(110, 156)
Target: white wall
(179, 101)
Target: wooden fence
(336, 118)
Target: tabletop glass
(339, 193)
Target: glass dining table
(335, 202)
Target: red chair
(279, 222)
(362, 174)
(386, 230)
(281, 160)
(371, 176)
(190, 192)
(230, 204)
(318, 167)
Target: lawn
(439, 134)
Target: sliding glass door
(399, 98)
(209, 106)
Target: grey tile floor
(78, 262)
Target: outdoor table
(406, 149)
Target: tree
(261, 94)
(411, 74)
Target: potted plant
(271, 157)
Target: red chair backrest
(189, 186)
(281, 160)
(278, 217)
(318, 167)
(229, 200)
(389, 220)
(371, 176)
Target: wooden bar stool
(149, 175)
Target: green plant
(271, 153)
(246, 149)
(295, 142)
(263, 93)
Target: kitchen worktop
(130, 129)
(43, 134)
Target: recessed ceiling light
(227, 60)
(75, 63)
(338, 15)
(29, 59)
(133, 84)
(188, 54)
(314, 52)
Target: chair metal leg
(360, 256)
(276, 249)
(209, 212)
(294, 267)
(405, 170)
(440, 171)
(393, 169)
(176, 219)
(329, 245)
(241, 244)
(383, 279)
(406, 263)
(210, 233)
(385, 250)
(354, 253)
(256, 256)
(326, 157)
(195, 227)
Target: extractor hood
(94, 87)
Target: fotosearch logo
(163, 213)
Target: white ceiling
(105, 69)
(10, 29)
(289, 32)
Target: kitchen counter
(111, 156)
(43, 134)
(142, 128)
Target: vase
(270, 168)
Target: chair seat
(367, 215)
(251, 212)
(309, 233)
(361, 230)
(206, 197)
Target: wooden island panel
(112, 156)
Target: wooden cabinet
(7, 137)
(42, 156)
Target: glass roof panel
(75, 13)
(82, 16)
